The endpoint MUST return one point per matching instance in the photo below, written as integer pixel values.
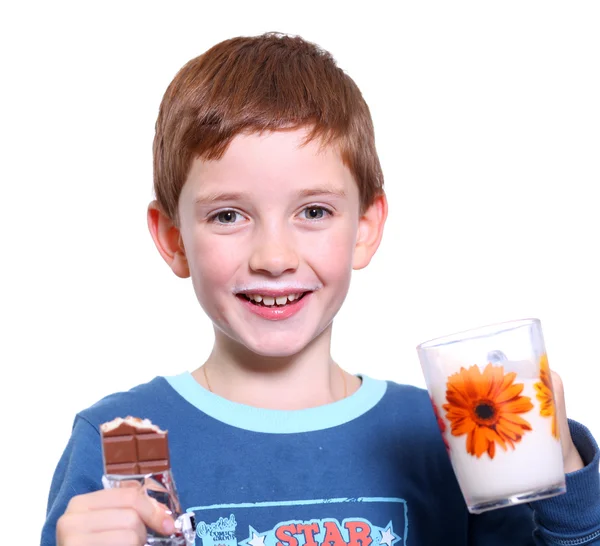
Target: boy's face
(271, 233)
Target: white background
(487, 118)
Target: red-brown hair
(254, 84)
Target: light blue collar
(279, 421)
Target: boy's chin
(274, 349)
(283, 343)
(274, 346)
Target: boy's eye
(226, 217)
(315, 213)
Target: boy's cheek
(339, 243)
(329, 256)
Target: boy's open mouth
(272, 301)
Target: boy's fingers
(106, 538)
(151, 512)
(561, 410)
(572, 459)
(96, 521)
(122, 538)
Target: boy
(269, 193)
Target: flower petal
(468, 390)
(520, 405)
(493, 436)
(509, 393)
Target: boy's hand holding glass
(499, 413)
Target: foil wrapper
(161, 487)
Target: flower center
(485, 410)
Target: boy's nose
(273, 255)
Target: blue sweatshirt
(369, 470)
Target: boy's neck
(308, 379)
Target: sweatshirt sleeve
(569, 519)
(79, 471)
(574, 518)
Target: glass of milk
(492, 394)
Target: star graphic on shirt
(257, 540)
(387, 537)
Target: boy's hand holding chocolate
(112, 516)
(136, 454)
(136, 473)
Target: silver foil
(161, 487)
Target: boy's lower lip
(275, 312)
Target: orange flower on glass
(545, 394)
(441, 424)
(486, 406)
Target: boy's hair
(254, 84)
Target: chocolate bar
(133, 446)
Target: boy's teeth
(269, 301)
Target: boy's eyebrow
(215, 197)
(322, 190)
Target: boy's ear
(167, 239)
(370, 231)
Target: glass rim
(479, 332)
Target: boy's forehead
(291, 140)
(259, 159)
